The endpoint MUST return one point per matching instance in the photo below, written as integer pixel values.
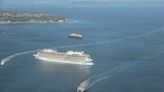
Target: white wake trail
(6, 59)
(109, 74)
(106, 75)
(3, 61)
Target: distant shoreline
(31, 23)
(15, 17)
(66, 21)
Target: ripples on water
(80, 45)
(118, 39)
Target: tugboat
(76, 36)
(83, 86)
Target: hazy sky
(72, 1)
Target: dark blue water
(125, 42)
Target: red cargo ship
(76, 36)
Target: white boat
(83, 86)
(3, 62)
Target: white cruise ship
(72, 57)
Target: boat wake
(3, 61)
(109, 74)
(6, 59)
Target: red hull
(76, 37)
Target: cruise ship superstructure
(72, 57)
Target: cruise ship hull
(60, 61)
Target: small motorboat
(83, 86)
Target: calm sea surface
(125, 42)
